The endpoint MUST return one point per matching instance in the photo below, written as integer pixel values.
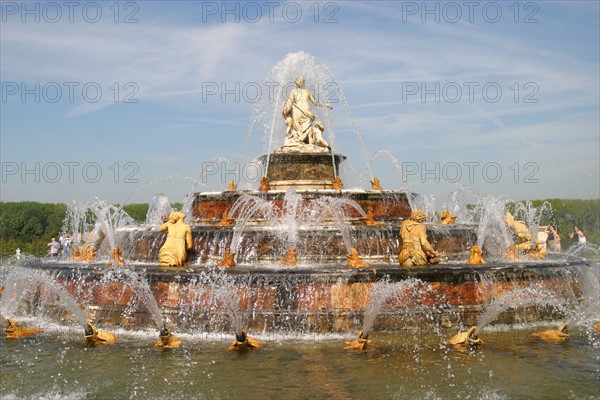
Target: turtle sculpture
(360, 343)
(553, 335)
(245, 342)
(167, 339)
(94, 336)
(466, 339)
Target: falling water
(22, 282)
(490, 212)
(141, 288)
(266, 115)
(522, 297)
(294, 214)
(158, 208)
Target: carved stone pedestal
(307, 171)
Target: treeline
(30, 226)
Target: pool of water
(58, 365)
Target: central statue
(301, 136)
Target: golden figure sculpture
(447, 218)
(245, 342)
(537, 251)
(115, 257)
(466, 339)
(354, 260)
(95, 337)
(227, 260)
(167, 339)
(512, 255)
(179, 241)
(416, 250)
(290, 259)
(360, 343)
(90, 247)
(553, 335)
(232, 185)
(337, 183)
(476, 256)
(13, 330)
(597, 326)
(375, 185)
(370, 220)
(520, 230)
(264, 184)
(225, 220)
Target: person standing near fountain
(416, 250)
(577, 236)
(54, 248)
(179, 241)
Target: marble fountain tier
(319, 292)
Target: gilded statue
(337, 183)
(264, 185)
(179, 241)
(446, 217)
(94, 336)
(245, 342)
(232, 185)
(167, 339)
(115, 257)
(476, 256)
(290, 259)
(13, 330)
(520, 230)
(553, 335)
(225, 220)
(360, 343)
(375, 185)
(370, 220)
(354, 260)
(467, 338)
(416, 250)
(228, 259)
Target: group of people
(553, 241)
(62, 247)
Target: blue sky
(125, 100)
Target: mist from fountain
(293, 215)
(533, 295)
(22, 283)
(141, 288)
(158, 208)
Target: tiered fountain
(306, 254)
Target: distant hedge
(30, 226)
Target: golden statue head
(418, 216)
(300, 82)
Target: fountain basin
(317, 298)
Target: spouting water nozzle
(167, 339)
(94, 336)
(244, 342)
(360, 343)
